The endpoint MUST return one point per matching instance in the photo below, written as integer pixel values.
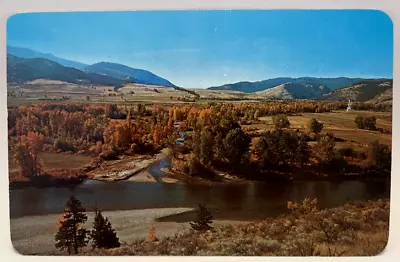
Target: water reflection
(376, 188)
(229, 201)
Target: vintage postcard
(200, 133)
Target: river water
(250, 201)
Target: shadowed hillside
(250, 87)
(20, 70)
(361, 92)
(294, 91)
(119, 71)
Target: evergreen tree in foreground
(103, 235)
(71, 235)
(203, 221)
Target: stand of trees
(71, 235)
(96, 130)
(279, 147)
(218, 144)
(218, 141)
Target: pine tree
(203, 221)
(71, 235)
(103, 235)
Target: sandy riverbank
(127, 168)
(35, 234)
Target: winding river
(251, 201)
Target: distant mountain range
(28, 53)
(20, 70)
(24, 64)
(251, 87)
(340, 88)
(127, 73)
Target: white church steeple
(348, 106)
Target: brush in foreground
(359, 229)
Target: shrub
(379, 155)
(109, 155)
(324, 151)
(280, 121)
(194, 166)
(306, 206)
(359, 120)
(63, 145)
(368, 122)
(348, 152)
(315, 126)
(152, 234)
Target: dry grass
(359, 229)
(341, 124)
(45, 90)
(56, 160)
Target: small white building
(348, 106)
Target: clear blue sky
(205, 48)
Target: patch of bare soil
(143, 177)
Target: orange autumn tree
(170, 124)
(26, 153)
(156, 135)
(109, 138)
(123, 136)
